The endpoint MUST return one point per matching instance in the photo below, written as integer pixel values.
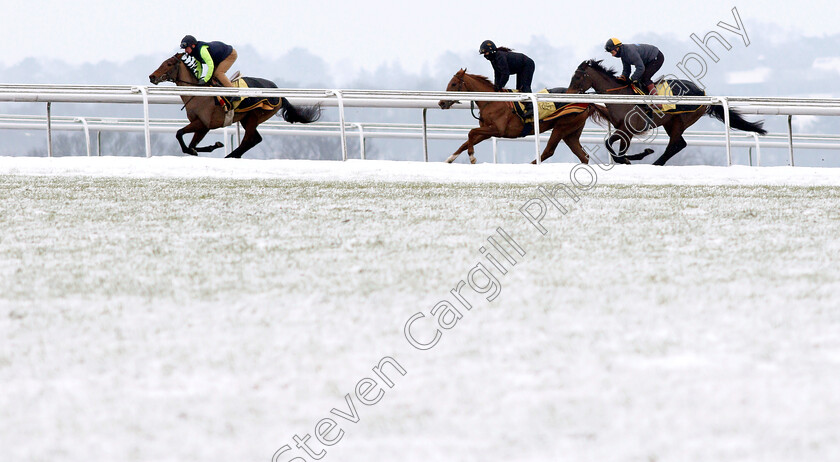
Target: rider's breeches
(223, 67)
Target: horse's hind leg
(551, 146)
(677, 143)
(573, 142)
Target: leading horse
(205, 115)
(497, 119)
(592, 74)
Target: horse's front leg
(476, 135)
(197, 137)
(195, 126)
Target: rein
(616, 89)
(472, 103)
(472, 111)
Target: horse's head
(593, 74)
(456, 84)
(581, 80)
(167, 72)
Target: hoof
(620, 160)
(450, 160)
(473, 160)
(192, 152)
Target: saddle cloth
(247, 104)
(549, 110)
(663, 88)
(683, 88)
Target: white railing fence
(93, 127)
(399, 99)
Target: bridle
(461, 85)
(171, 76)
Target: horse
(592, 74)
(497, 119)
(204, 114)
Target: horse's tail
(299, 114)
(736, 120)
(599, 114)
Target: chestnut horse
(592, 74)
(204, 114)
(498, 119)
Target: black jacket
(218, 51)
(638, 56)
(506, 63)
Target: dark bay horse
(498, 119)
(204, 115)
(630, 119)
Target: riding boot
(529, 109)
(651, 88)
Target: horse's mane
(598, 65)
(481, 78)
(504, 49)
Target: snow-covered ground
(205, 309)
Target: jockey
(506, 62)
(213, 59)
(647, 59)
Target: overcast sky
(366, 33)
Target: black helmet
(487, 46)
(612, 44)
(188, 41)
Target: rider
(506, 62)
(647, 59)
(213, 58)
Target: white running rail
(147, 95)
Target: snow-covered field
(205, 309)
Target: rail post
(726, 121)
(362, 151)
(425, 136)
(790, 139)
(495, 150)
(757, 149)
(87, 132)
(228, 140)
(49, 129)
(536, 125)
(340, 98)
(147, 131)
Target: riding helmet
(188, 40)
(487, 46)
(612, 44)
